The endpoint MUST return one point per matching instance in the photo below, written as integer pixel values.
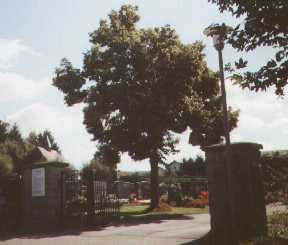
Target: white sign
(38, 182)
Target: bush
(76, 206)
(278, 224)
(277, 196)
(174, 197)
(200, 202)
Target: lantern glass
(218, 41)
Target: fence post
(90, 199)
(62, 186)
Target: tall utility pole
(219, 34)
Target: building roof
(41, 156)
(51, 156)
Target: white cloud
(14, 87)
(65, 124)
(10, 50)
(263, 117)
(35, 105)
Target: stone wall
(248, 213)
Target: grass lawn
(141, 210)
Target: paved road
(154, 232)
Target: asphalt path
(152, 232)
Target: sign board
(38, 182)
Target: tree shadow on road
(130, 220)
(148, 218)
(40, 235)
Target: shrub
(76, 206)
(278, 224)
(277, 196)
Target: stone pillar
(41, 202)
(247, 188)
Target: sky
(36, 34)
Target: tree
(193, 167)
(15, 134)
(3, 131)
(102, 171)
(139, 86)
(135, 177)
(6, 165)
(13, 149)
(103, 163)
(44, 139)
(275, 172)
(265, 25)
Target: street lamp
(219, 34)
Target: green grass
(130, 210)
(186, 211)
(133, 209)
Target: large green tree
(139, 86)
(264, 25)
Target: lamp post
(219, 34)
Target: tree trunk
(154, 183)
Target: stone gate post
(247, 192)
(41, 196)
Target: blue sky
(36, 34)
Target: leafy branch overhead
(264, 25)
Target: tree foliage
(265, 25)
(193, 167)
(102, 165)
(139, 86)
(13, 149)
(44, 139)
(135, 177)
(275, 170)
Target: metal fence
(87, 199)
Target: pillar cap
(235, 145)
(46, 164)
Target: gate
(87, 199)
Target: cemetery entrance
(87, 199)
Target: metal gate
(87, 199)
